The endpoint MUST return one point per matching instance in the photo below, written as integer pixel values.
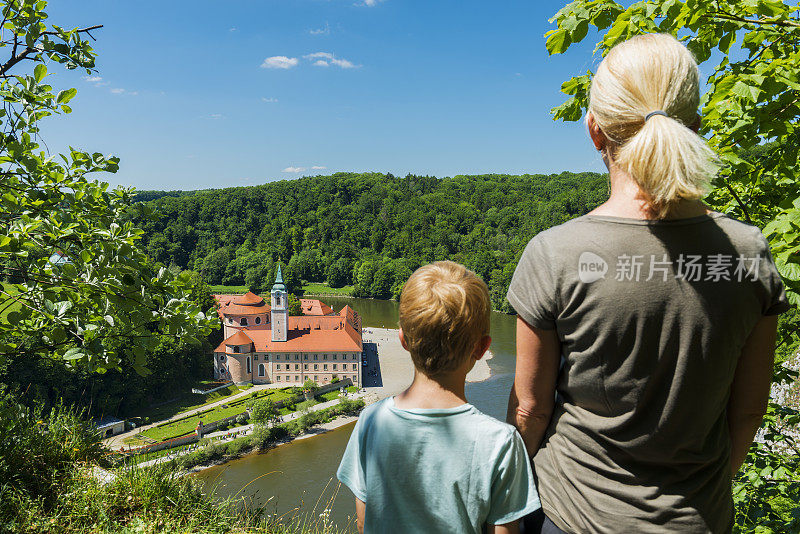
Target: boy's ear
(402, 339)
(482, 347)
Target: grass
(50, 485)
(186, 402)
(220, 289)
(323, 289)
(188, 424)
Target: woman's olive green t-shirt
(652, 317)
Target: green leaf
(39, 72)
(557, 41)
(74, 354)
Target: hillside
(369, 230)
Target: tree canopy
(369, 230)
(76, 285)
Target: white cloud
(233, 29)
(279, 62)
(321, 31)
(217, 116)
(118, 91)
(97, 81)
(369, 3)
(294, 169)
(270, 100)
(318, 168)
(324, 59)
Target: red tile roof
(248, 299)
(229, 305)
(307, 333)
(239, 338)
(315, 307)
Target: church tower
(280, 306)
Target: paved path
(115, 442)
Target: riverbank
(396, 370)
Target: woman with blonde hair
(646, 329)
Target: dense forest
(369, 230)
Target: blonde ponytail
(661, 153)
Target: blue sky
(209, 94)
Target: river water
(302, 473)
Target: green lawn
(187, 401)
(187, 425)
(322, 289)
(229, 289)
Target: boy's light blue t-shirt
(442, 470)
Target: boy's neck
(443, 391)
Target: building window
(355, 356)
(325, 367)
(296, 378)
(255, 358)
(243, 322)
(316, 378)
(315, 356)
(222, 357)
(305, 367)
(258, 320)
(305, 356)
(236, 349)
(316, 366)
(324, 356)
(297, 367)
(260, 369)
(334, 366)
(249, 366)
(355, 367)
(279, 379)
(334, 356)
(296, 356)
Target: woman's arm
(532, 398)
(750, 389)
(361, 510)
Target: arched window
(260, 369)
(243, 322)
(249, 366)
(258, 320)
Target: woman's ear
(402, 339)
(595, 133)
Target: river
(302, 473)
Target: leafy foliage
(80, 286)
(751, 50)
(369, 230)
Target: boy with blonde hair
(426, 460)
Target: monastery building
(263, 344)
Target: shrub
(242, 418)
(236, 447)
(39, 451)
(263, 411)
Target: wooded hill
(370, 230)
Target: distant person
(426, 460)
(646, 329)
